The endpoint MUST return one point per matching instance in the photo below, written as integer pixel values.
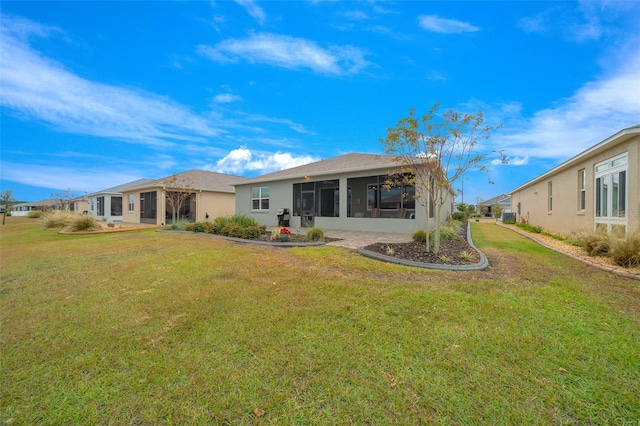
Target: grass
(161, 328)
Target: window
(550, 191)
(100, 206)
(116, 206)
(260, 198)
(582, 189)
(611, 191)
(131, 202)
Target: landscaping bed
(452, 252)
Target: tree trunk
(436, 233)
(427, 245)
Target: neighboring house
(108, 203)
(598, 188)
(485, 208)
(207, 196)
(345, 192)
(79, 204)
(23, 209)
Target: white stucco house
(345, 192)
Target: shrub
(252, 232)
(235, 231)
(595, 243)
(450, 230)
(460, 216)
(179, 224)
(56, 219)
(83, 222)
(529, 228)
(510, 221)
(420, 236)
(626, 251)
(36, 214)
(315, 234)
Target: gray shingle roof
(122, 188)
(198, 180)
(342, 164)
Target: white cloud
(599, 109)
(35, 87)
(225, 98)
(80, 180)
(242, 160)
(288, 52)
(254, 10)
(445, 26)
(513, 161)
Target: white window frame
(605, 172)
(131, 202)
(260, 198)
(582, 190)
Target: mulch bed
(449, 251)
(294, 238)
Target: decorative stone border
(482, 264)
(616, 270)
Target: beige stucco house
(209, 195)
(345, 192)
(599, 187)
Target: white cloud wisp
(288, 52)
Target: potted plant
(284, 234)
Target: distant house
(598, 188)
(485, 208)
(108, 203)
(79, 204)
(345, 192)
(207, 196)
(23, 209)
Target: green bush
(83, 222)
(36, 214)
(530, 228)
(510, 221)
(252, 232)
(459, 216)
(626, 251)
(420, 236)
(315, 234)
(238, 226)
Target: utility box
(283, 217)
(508, 217)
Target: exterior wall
(93, 202)
(214, 204)
(281, 196)
(531, 203)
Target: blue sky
(97, 94)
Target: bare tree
(63, 199)
(6, 199)
(437, 150)
(178, 190)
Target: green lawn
(171, 328)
